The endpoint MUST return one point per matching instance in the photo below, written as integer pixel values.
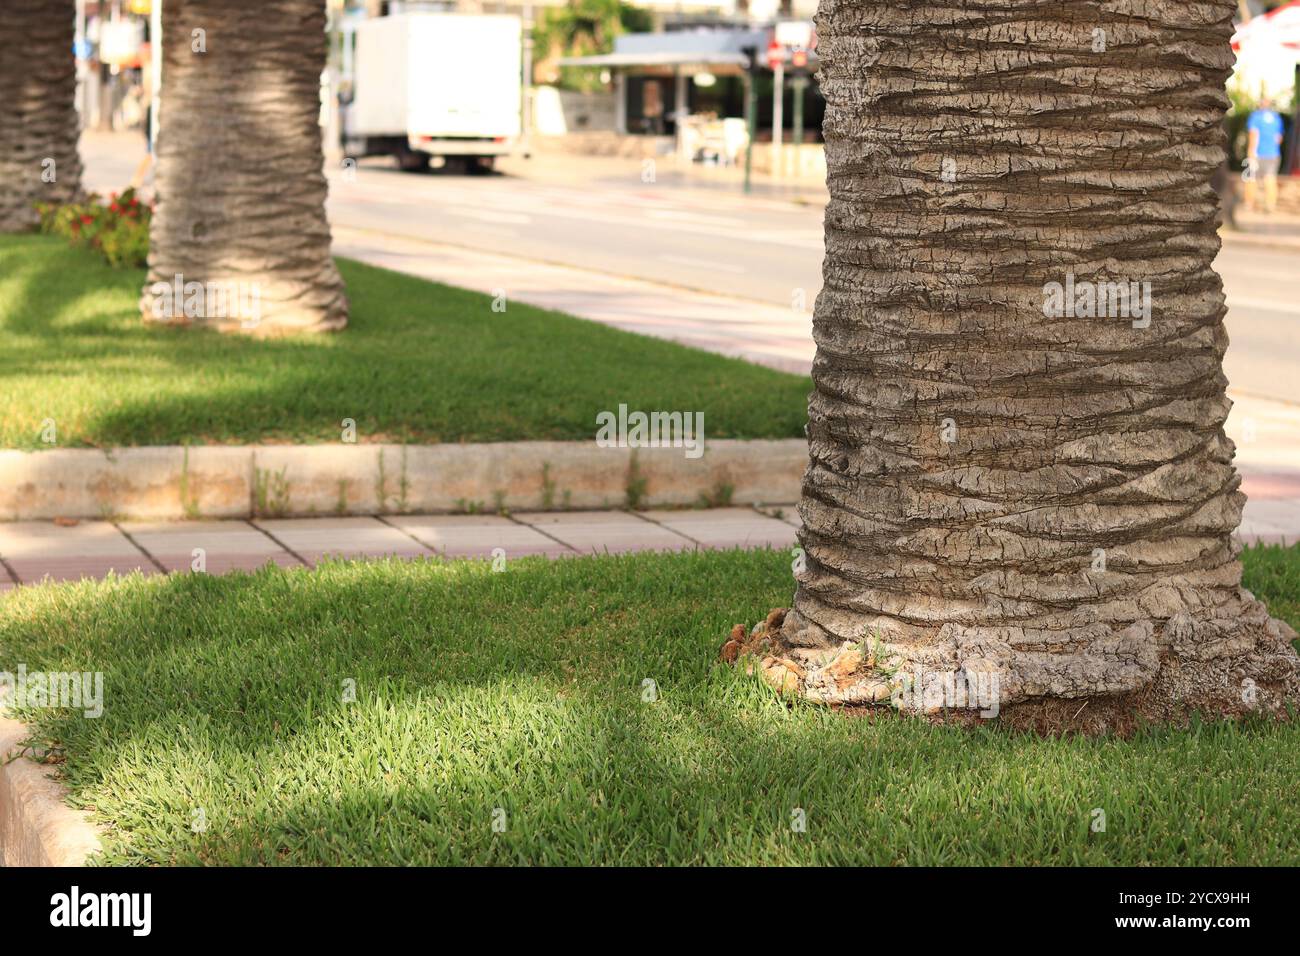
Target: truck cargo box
(434, 77)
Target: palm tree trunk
(241, 188)
(995, 488)
(38, 115)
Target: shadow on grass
(525, 692)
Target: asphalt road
(604, 216)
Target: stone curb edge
(37, 827)
(222, 481)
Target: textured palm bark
(240, 181)
(38, 115)
(1070, 441)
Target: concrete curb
(37, 828)
(171, 482)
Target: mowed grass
(420, 362)
(520, 697)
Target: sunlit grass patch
(419, 362)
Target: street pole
(798, 83)
(155, 71)
(751, 111)
(778, 116)
(526, 112)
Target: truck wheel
(412, 161)
(481, 165)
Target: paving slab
(787, 513)
(72, 568)
(601, 532)
(726, 527)
(1259, 485)
(1281, 513)
(314, 539)
(477, 536)
(1266, 521)
(220, 563)
(40, 550)
(226, 545)
(25, 539)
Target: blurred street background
(659, 169)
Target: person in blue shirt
(1263, 155)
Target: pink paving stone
(788, 513)
(477, 536)
(727, 527)
(1278, 514)
(39, 550)
(73, 568)
(227, 545)
(180, 537)
(316, 538)
(39, 539)
(1260, 485)
(599, 532)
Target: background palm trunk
(241, 188)
(38, 114)
(991, 489)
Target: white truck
(436, 85)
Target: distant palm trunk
(240, 225)
(38, 115)
(1006, 479)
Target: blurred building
(113, 63)
(1268, 53)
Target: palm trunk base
(323, 308)
(1236, 663)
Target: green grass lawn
(420, 362)
(523, 691)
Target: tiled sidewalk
(31, 551)
(771, 335)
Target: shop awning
(683, 58)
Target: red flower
(87, 219)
